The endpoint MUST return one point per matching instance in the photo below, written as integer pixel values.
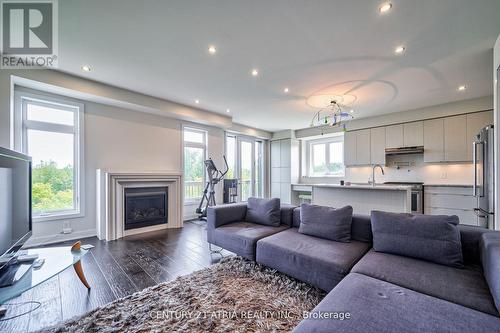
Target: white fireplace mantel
(110, 190)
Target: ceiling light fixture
(212, 49)
(385, 7)
(255, 72)
(462, 88)
(332, 116)
(197, 101)
(228, 110)
(400, 49)
(286, 90)
(86, 68)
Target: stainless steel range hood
(404, 150)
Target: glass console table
(57, 259)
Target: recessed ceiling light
(286, 90)
(228, 110)
(385, 7)
(212, 49)
(400, 49)
(86, 68)
(197, 101)
(255, 72)
(462, 87)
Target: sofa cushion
(434, 238)
(287, 214)
(264, 211)
(465, 286)
(240, 237)
(320, 262)
(490, 257)
(361, 227)
(379, 306)
(326, 222)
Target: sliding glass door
(246, 163)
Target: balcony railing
(193, 190)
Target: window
(326, 157)
(195, 152)
(245, 158)
(49, 130)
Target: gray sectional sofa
(382, 292)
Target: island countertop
(363, 197)
(365, 186)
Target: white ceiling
(159, 48)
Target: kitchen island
(363, 198)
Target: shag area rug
(235, 295)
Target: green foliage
(193, 164)
(336, 169)
(52, 187)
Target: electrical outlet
(67, 227)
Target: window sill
(56, 217)
(325, 176)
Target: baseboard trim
(44, 240)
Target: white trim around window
(327, 141)
(190, 144)
(22, 124)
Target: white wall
(118, 137)
(496, 92)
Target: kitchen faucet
(373, 173)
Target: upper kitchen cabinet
(394, 137)
(363, 147)
(413, 134)
(475, 122)
(377, 145)
(434, 140)
(350, 148)
(357, 148)
(455, 139)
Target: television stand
(14, 271)
(56, 260)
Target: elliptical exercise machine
(214, 177)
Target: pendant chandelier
(334, 115)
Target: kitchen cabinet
(413, 134)
(434, 140)
(475, 122)
(357, 148)
(275, 153)
(394, 137)
(350, 148)
(284, 168)
(377, 145)
(455, 138)
(451, 200)
(363, 147)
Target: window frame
(310, 155)
(237, 165)
(190, 144)
(21, 125)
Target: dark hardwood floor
(114, 270)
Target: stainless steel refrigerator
(484, 177)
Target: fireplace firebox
(145, 206)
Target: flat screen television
(15, 203)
